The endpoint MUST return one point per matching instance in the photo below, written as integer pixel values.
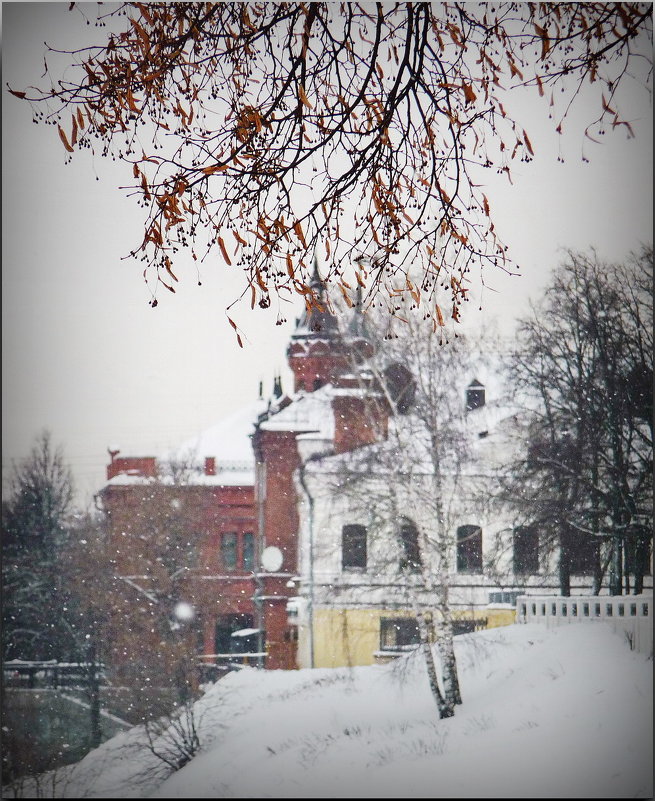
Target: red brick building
(190, 518)
(230, 499)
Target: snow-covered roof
(307, 412)
(239, 475)
(489, 438)
(228, 442)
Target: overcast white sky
(85, 356)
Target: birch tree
(417, 483)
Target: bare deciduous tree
(269, 131)
(585, 359)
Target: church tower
(319, 352)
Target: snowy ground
(547, 714)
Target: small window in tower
(229, 551)
(475, 396)
(353, 546)
(317, 384)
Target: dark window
(248, 552)
(637, 556)
(353, 546)
(504, 597)
(398, 631)
(225, 643)
(401, 386)
(229, 551)
(469, 549)
(526, 550)
(463, 627)
(583, 555)
(474, 396)
(410, 558)
(468, 626)
(317, 384)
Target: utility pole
(93, 685)
(259, 548)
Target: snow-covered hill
(564, 713)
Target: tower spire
(316, 276)
(317, 321)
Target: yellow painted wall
(499, 617)
(348, 637)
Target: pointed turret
(277, 386)
(319, 320)
(319, 351)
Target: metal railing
(22, 673)
(214, 666)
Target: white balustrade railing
(630, 614)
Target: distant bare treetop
(268, 132)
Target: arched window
(469, 549)
(410, 556)
(226, 625)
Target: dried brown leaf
(303, 97)
(221, 245)
(63, 138)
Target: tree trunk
(616, 568)
(449, 669)
(447, 651)
(564, 565)
(446, 709)
(641, 563)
